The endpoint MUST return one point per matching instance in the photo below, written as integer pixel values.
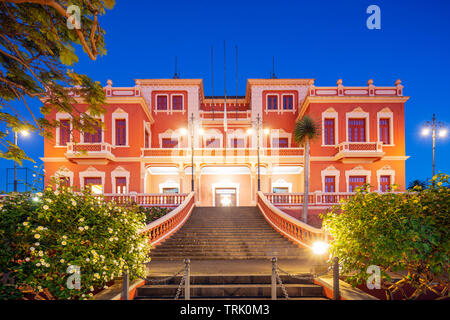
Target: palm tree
(417, 183)
(306, 129)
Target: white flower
(37, 235)
(63, 243)
(36, 244)
(45, 207)
(80, 228)
(31, 248)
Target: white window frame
(282, 101)
(91, 172)
(174, 135)
(212, 133)
(169, 184)
(386, 114)
(331, 171)
(236, 134)
(119, 114)
(66, 173)
(183, 110)
(62, 116)
(278, 103)
(279, 133)
(102, 119)
(385, 171)
(330, 114)
(281, 183)
(168, 102)
(357, 113)
(357, 171)
(120, 172)
(147, 128)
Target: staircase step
(231, 290)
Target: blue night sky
(325, 40)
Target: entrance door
(225, 197)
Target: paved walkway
(234, 267)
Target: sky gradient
(324, 40)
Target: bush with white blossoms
(41, 235)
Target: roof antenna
(176, 75)
(273, 68)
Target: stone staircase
(213, 233)
(231, 287)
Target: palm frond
(306, 128)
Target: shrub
(153, 213)
(406, 233)
(43, 234)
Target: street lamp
(258, 125)
(24, 133)
(184, 132)
(432, 126)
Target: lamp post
(192, 152)
(433, 125)
(24, 133)
(258, 125)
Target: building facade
(154, 132)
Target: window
(177, 103)
(330, 184)
(237, 143)
(287, 102)
(280, 143)
(356, 181)
(64, 181)
(212, 143)
(384, 131)
(385, 183)
(147, 140)
(280, 190)
(94, 184)
(64, 132)
(94, 137)
(272, 102)
(121, 185)
(329, 131)
(161, 102)
(121, 132)
(357, 130)
(169, 143)
(170, 190)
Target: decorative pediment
(386, 110)
(358, 109)
(358, 168)
(120, 169)
(331, 110)
(119, 110)
(63, 170)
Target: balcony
(359, 152)
(224, 155)
(89, 153)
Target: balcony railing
(369, 150)
(317, 198)
(148, 199)
(222, 152)
(100, 150)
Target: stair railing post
(336, 295)
(125, 285)
(187, 283)
(274, 279)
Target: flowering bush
(153, 213)
(45, 237)
(406, 233)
